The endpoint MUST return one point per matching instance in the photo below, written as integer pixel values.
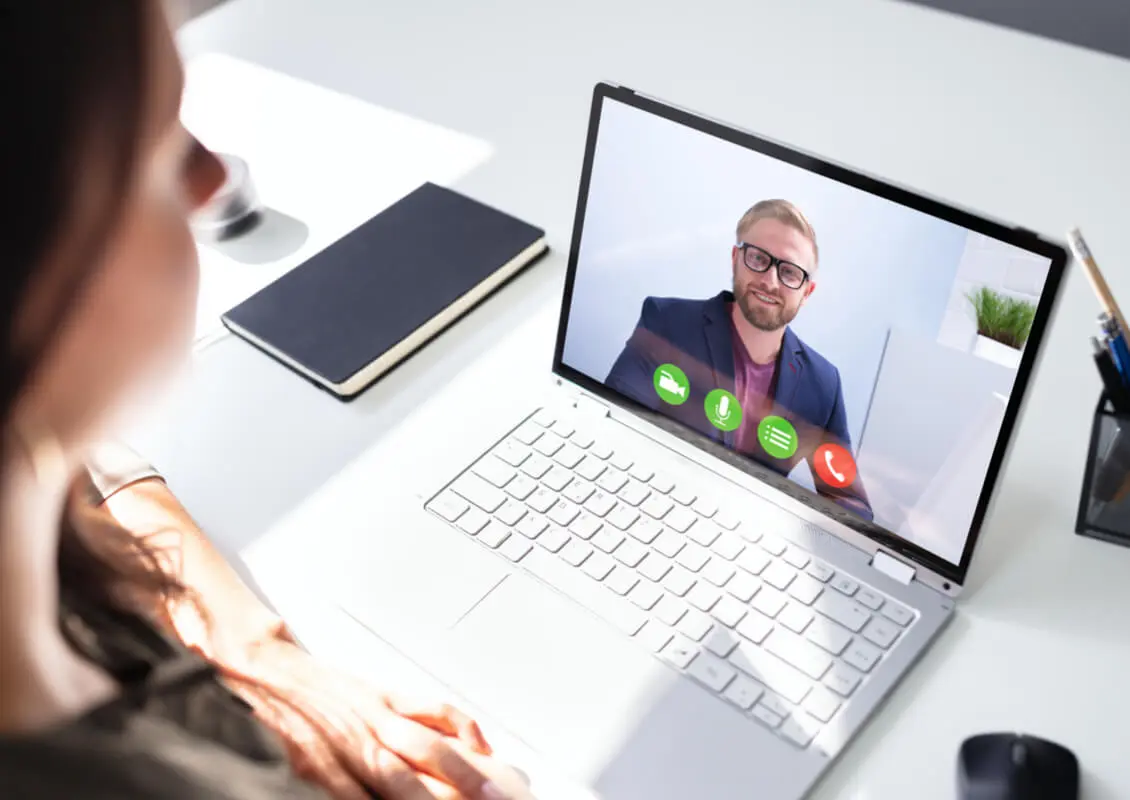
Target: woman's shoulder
(139, 755)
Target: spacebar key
(785, 680)
(590, 594)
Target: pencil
(1098, 282)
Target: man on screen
(740, 342)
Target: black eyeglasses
(758, 260)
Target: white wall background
(662, 208)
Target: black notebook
(365, 303)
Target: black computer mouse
(1012, 766)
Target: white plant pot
(993, 350)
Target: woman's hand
(348, 738)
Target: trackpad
(566, 682)
(423, 580)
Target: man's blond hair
(784, 212)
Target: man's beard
(762, 317)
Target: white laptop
(747, 502)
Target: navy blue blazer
(695, 335)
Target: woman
(116, 680)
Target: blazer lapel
(720, 347)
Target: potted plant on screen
(1003, 325)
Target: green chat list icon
(777, 436)
(671, 384)
(722, 410)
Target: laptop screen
(861, 349)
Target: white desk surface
(1024, 129)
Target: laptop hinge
(893, 567)
(589, 406)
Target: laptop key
(597, 566)
(842, 679)
(721, 641)
(654, 567)
(743, 692)
(521, 487)
(591, 468)
(553, 539)
(678, 581)
(645, 595)
(493, 470)
(535, 466)
(473, 488)
(448, 506)
(705, 507)
(795, 617)
(662, 483)
(703, 596)
(802, 654)
(563, 513)
(773, 545)
(828, 635)
(847, 612)
(493, 534)
(702, 532)
(782, 678)
(769, 602)
(778, 575)
(805, 589)
(510, 513)
(821, 572)
(575, 552)
(729, 612)
(796, 731)
(765, 716)
(621, 461)
(821, 704)
(544, 417)
(683, 495)
(870, 598)
(656, 506)
(645, 530)
(711, 672)
(601, 450)
(528, 432)
(879, 631)
(694, 625)
(512, 452)
(796, 557)
(568, 456)
(669, 610)
(548, 444)
(573, 583)
(612, 481)
(585, 526)
(634, 493)
(693, 557)
(630, 553)
(563, 429)
(473, 521)
(844, 584)
(728, 546)
(542, 500)
(607, 539)
(718, 571)
(743, 586)
(600, 503)
(861, 655)
(753, 561)
(640, 472)
(515, 548)
(622, 516)
(654, 636)
(775, 704)
(726, 519)
(581, 440)
(897, 614)
(531, 526)
(680, 519)
(621, 580)
(680, 652)
(755, 627)
(669, 543)
(579, 491)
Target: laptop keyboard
(758, 621)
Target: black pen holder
(1104, 505)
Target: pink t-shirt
(753, 386)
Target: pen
(1113, 383)
(1098, 282)
(1116, 343)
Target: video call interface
(861, 349)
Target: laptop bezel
(1019, 237)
